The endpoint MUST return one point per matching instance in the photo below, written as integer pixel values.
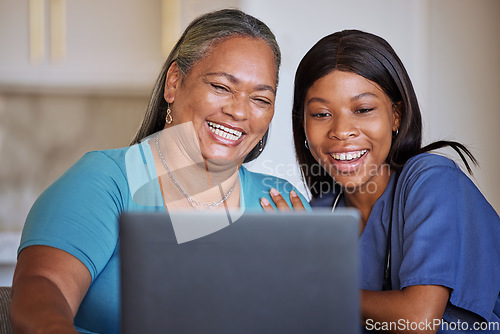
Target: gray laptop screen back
(263, 273)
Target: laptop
(248, 273)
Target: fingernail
(293, 194)
(264, 202)
(274, 192)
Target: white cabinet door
(108, 44)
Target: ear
(172, 82)
(396, 115)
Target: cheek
(315, 135)
(198, 112)
(380, 134)
(315, 141)
(318, 157)
(261, 121)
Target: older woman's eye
(220, 88)
(262, 102)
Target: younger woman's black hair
(373, 58)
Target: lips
(224, 131)
(349, 161)
(348, 156)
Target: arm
(48, 287)
(417, 305)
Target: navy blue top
(444, 232)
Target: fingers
(279, 201)
(266, 205)
(296, 202)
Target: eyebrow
(234, 80)
(316, 99)
(360, 96)
(354, 98)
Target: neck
(187, 180)
(181, 149)
(364, 197)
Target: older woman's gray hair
(198, 39)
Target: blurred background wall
(77, 77)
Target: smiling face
(228, 96)
(348, 121)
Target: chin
(220, 160)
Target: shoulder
(428, 167)
(434, 181)
(95, 174)
(110, 160)
(115, 163)
(425, 161)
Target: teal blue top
(79, 214)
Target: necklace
(191, 201)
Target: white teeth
(348, 156)
(224, 132)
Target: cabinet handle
(57, 30)
(37, 31)
(170, 24)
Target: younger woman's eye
(363, 110)
(321, 115)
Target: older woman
(428, 237)
(213, 101)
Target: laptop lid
(259, 273)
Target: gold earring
(169, 118)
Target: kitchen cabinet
(112, 44)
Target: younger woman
(429, 246)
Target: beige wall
(464, 83)
(41, 135)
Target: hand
(280, 202)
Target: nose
(343, 127)
(238, 107)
